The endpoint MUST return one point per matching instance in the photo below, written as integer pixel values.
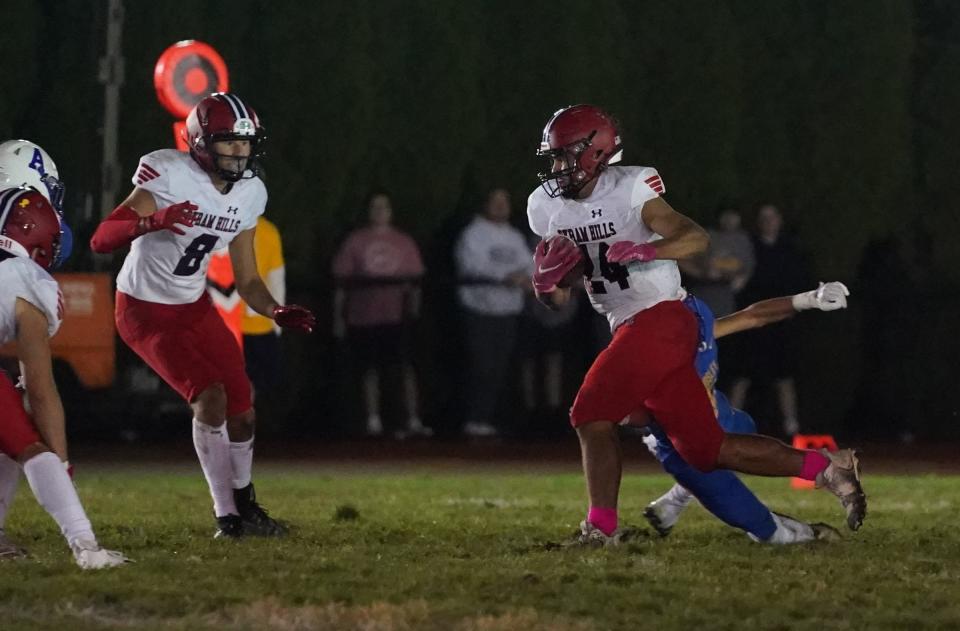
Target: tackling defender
(614, 220)
(721, 492)
(26, 164)
(31, 310)
(184, 206)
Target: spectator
(494, 266)
(770, 353)
(378, 271)
(723, 271)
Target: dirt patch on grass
(378, 616)
(381, 616)
(273, 614)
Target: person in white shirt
(493, 267)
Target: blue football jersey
(708, 367)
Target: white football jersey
(169, 268)
(610, 214)
(22, 278)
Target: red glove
(294, 317)
(124, 225)
(626, 251)
(552, 260)
(168, 218)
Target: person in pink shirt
(378, 270)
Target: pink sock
(603, 518)
(813, 463)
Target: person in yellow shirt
(261, 336)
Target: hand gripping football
(558, 263)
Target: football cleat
(663, 514)
(229, 527)
(825, 532)
(593, 537)
(255, 520)
(90, 556)
(9, 549)
(842, 478)
(662, 524)
(789, 530)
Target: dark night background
(845, 114)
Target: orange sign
(86, 339)
(223, 291)
(187, 72)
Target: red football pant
(189, 346)
(649, 366)
(17, 431)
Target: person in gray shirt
(494, 265)
(717, 276)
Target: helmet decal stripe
(6, 203)
(223, 96)
(239, 104)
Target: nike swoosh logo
(549, 269)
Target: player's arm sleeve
(647, 185)
(151, 192)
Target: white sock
(213, 450)
(789, 530)
(241, 456)
(56, 494)
(9, 478)
(678, 495)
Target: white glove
(826, 297)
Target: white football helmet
(23, 163)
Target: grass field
(438, 549)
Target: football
(574, 276)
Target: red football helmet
(29, 226)
(580, 141)
(223, 116)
